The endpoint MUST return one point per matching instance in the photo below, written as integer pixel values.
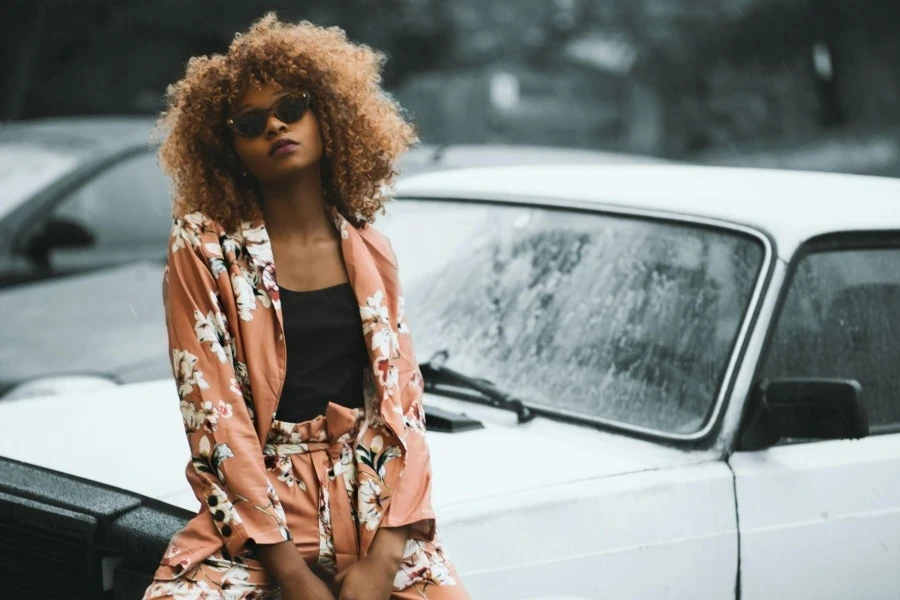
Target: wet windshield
(618, 318)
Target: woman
(300, 393)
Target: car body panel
(105, 322)
(820, 519)
(592, 453)
(548, 480)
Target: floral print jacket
(228, 353)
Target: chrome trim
(603, 208)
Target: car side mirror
(57, 234)
(803, 408)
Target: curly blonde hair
(363, 129)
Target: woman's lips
(285, 149)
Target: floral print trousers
(312, 466)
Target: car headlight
(58, 384)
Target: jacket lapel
(262, 264)
(376, 302)
(377, 306)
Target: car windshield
(27, 168)
(610, 317)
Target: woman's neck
(295, 211)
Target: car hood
(132, 437)
(109, 322)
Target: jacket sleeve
(228, 474)
(411, 500)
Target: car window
(841, 318)
(124, 205)
(625, 319)
(25, 169)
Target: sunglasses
(252, 123)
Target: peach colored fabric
(228, 352)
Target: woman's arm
(287, 566)
(228, 475)
(388, 546)
(373, 576)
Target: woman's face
(284, 150)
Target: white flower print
(207, 416)
(183, 589)
(237, 579)
(216, 260)
(185, 231)
(231, 246)
(415, 418)
(207, 328)
(423, 562)
(209, 458)
(243, 293)
(402, 326)
(256, 283)
(186, 377)
(193, 419)
(369, 495)
(346, 467)
(243, 384)
(217, 266)
(374, 313)
(376, 456)
(256, 241)
(270, 285)
(385, 340)
(279, 510)
(281, 463)
(327, 553)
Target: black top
(326, 352)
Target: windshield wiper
(436, 374)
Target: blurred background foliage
(796, 83)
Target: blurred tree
(114, 56)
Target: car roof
(89, 135)
(791, 206)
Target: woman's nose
(274, 127)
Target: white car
(702, 368)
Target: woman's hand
(296, 579)
(368, 579)
(372, 578)
(305, 587)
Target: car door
(121, 214)
(821, 519)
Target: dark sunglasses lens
(249, 124)
(292, 109)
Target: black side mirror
(803, 408)
(57, 234)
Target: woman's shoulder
(194, 230)
(197, 222)
(378, 241)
